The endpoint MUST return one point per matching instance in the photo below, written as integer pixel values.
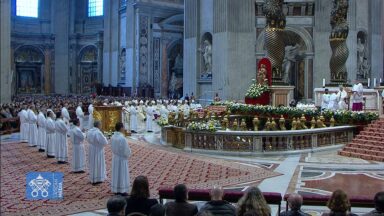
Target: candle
(380, 80)
(374, 82)
(323, 82)
(369, 82)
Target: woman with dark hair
(253, 201)
(139, 201)
(339, 204)
(180, 206)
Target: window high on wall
(27, 8)
(95, 8)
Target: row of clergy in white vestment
(49, 134)
(136, 113)
(336, 101)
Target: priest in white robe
(51, 136)
(90, 117)
(325, 100)
(96, 160)
(61, 139)
(149, 116)
(32, 122)
(133, 111)
(126, 116)
(120, 154)
(80, 115)
(42, 134)
(24, 126)
(333, 102)
(65, 114)
(342, 95)
(78, 150)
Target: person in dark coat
(116, 206)
(294, 202)
(180, 206)
(217, 206)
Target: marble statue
(291, 52)
(360, 52)
(178, 62)
(262, 75)
(207, 55)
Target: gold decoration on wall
(97, 116)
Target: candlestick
(323, 82)
(374, 82)
(369, 82)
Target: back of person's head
(116, 205)
(58, 115)
(379, 201)
(253, 199)
(96, 124)
(118, 126)
(217, 193)
(76, 122)
(339, 202)
(140, 187)
(157, 210)
(181, 193)
(251, 213)
(204, 213)
(295, 201)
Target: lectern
(108, 116)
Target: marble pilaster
(5, 51)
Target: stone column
(164, 69)
(191, 44)
(376, 41)
(5, 50)
(321, 39)
(233, 50)
(61, 31)
(47, 70)
(99, 46)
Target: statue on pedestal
(291, 52)
(207, 57)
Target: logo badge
(44, 185)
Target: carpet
(163, 167)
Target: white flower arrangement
(162, 121)
(256, 90)
(210, 126)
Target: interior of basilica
(192, 107)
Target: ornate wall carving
(143, 49)
(87, 73)
(156, 65)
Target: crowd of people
(252, 203)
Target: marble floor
(305, 173)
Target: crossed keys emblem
(39, 184)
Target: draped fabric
(133, 118)
(90, 118)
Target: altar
(108, 116)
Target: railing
(268, 141)
(9, 125)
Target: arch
(28, 53)
(173, 20)
(87, 73)
(302, 32)
(88, 53)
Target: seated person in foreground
(139, 198)
(217, 206)
(253, 203)
(339, 204)
(379, 205)
(180, 206)
(294, 202)
(116, 206)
